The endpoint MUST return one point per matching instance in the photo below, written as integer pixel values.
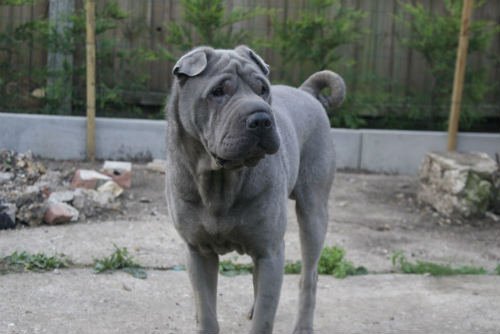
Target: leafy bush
(435, 37)
(208, 22)
(16, 83)
(309, 42)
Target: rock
(111, 187)
(91, 202)
(85, 178)
(157, 165)
(58, 213)
(119, 171)
(64, 196)
(7, 215)
(458, 184)
(51, 180)
(5, 177)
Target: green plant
(293, 267)
(34, 262)
(497, 269)
(435, 37)
(310, 41)
(422, 267)
(332, 262)
(208, 22)
(17, 83)
(229, 268)
(120, 259)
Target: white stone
(111, 187)
(117, 165)
(61, 196)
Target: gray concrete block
(54, 137)
(348, 146)
(398, 151)
(125, 139)
(60, 137)
(488, 143)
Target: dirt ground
(371, 217)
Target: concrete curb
(372, 150)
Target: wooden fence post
(458, 81)
(90, 48)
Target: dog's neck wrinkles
(218, 190)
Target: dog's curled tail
(326, 79)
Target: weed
(422, 267)
(332, 262)
(229, 268)
(293, 267)
(497, 269)
(33, 262)
(120, 260)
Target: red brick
(87, 179)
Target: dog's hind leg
(203, 272)
(311, 195)
(313, 219)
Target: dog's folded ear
(247, 52)
(191, 64)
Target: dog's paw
(250, 313)
(303, 331)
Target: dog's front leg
(268, 280)
(203, 271)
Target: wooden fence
(379, 52)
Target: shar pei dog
(237, 149)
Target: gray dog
(238, 148)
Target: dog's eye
(263, 90)
(218, 91)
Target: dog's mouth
(251, 161)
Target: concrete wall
(62, 138)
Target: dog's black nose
(259, 121)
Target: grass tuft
(229, 268)
(120, 259)
(332, 262)
(293, 267)
(33, 262)
(422, 267)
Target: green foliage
(119, 69)
(309, 42)
(435, 37)
(120, 259)
(332, 262)
(16, 2)
(293, 267)
(34, 262)
(208, 22)
(229, 268)
(422, 267)
(497, 269)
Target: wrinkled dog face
(224, 101)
